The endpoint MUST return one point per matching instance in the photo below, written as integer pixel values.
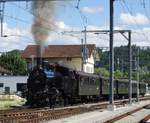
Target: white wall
(89, 66)
(11, 81)
(74, 63)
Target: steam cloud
(43, 20)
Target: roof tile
(56, 51)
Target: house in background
(78, 57)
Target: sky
(94, 14)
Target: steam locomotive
(63, 86)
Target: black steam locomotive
(62, 86)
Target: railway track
(35, 116)
(125, 115)
(46, 114)
(146, 119)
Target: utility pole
(82, 54)
(111, 58)
(84, 49)
(2, 5)
(122, 66)
(130, 69)
(138, 53)
(118, 63)
(85, 35)
(32, 61)
(85, 46)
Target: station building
(77, 57)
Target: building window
(89, 69)
(1, 85)
(69, 59)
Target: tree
(102, 71)
(121, 61)
(118, 74)
(13, 62)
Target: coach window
(126, 85)
(81, 81)
(114, 84)
(89, 82)
(122, 85)
(92, 81)
(85, 81)
(106, 82)
(96, 81)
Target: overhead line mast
(111, 57)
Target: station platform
(101, 116)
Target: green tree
(118, 74)
(102, 71)
(13, 62)
(121, 61)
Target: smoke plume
(43, 20)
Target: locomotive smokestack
(43, 22)
(39, 56)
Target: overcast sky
(129, 14)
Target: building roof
(57, 51)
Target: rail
(124, 115)
(46, 114)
